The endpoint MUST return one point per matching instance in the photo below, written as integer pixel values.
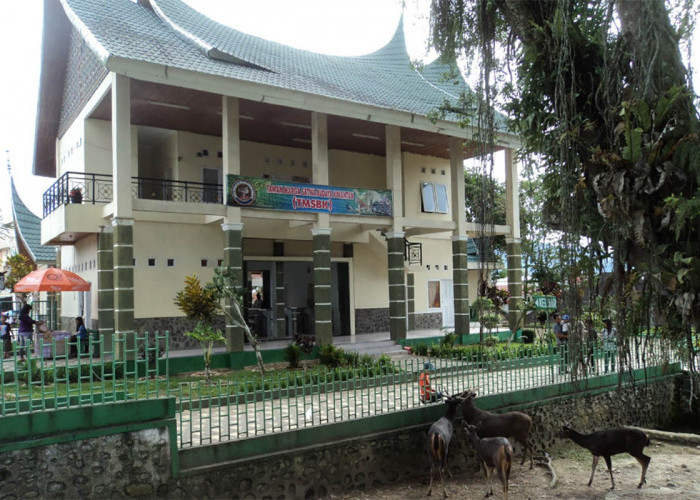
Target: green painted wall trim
(28, 426)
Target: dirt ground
(674, 472)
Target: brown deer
(513, 424)
(612, 442)
(495, 453)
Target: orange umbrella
(51, 280)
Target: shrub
(528, 336)
(449, 339)
(420, 349)
(491, 341)
(292, 354)
(330, 355)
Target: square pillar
(397, 285)
(515, 285)
(123, 257)
(323, 311)
(460, 283)
(105, 285)
(233, 260)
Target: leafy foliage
(601, 96)
(18, 267)
(197, 302)
(207, 337)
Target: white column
(319, 157)
(121, 146)
(512, 195)
(457, 178)
(394, 176)
(231, 145)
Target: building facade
(180, 145)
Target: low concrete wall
(393, 456)
(127, 450)
(118, 450)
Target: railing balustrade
(77, 187)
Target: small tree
(199, 303)
(18, 267)
(227, 294)
(207, 338)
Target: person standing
(591, 344)
(609, 335)
(80, 337)
(6, 334)
(562, 342)
(427, 393)
(25, 332)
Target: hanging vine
(600, 93)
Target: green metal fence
(224, 411)
(134, 367)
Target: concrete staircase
(374, 348)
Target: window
(434, 294)
(171, 262)
(204, 262)
(151, 262)
(434, 197)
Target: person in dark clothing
(25, 332)
(6, 334)
(81, 336)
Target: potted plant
(76, 195)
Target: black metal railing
(167, 190)
(77, 187)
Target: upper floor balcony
(76, 187)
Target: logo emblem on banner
(243, 192)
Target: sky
(341, 27)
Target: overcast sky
(348, 27)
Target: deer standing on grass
(495, 453)
(439, 437)
(612, 442)
(513, 424)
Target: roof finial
(9, 167)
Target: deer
(612, 442)
(495, 453)
(513, 424)
(439, 437)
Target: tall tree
(601, 94)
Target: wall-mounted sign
(545, 302)
(296, 197)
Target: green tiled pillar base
(123, 260)
(323, 310)
(397, 286)
(233, 259)
(105, 285)
(515, 285)
(460, 280)
(280, 322)
(411, 291)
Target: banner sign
(296, 197)
(545, 302)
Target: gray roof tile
(183, 38)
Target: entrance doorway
(297, 282)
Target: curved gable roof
(175, 35)
(28, 230)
